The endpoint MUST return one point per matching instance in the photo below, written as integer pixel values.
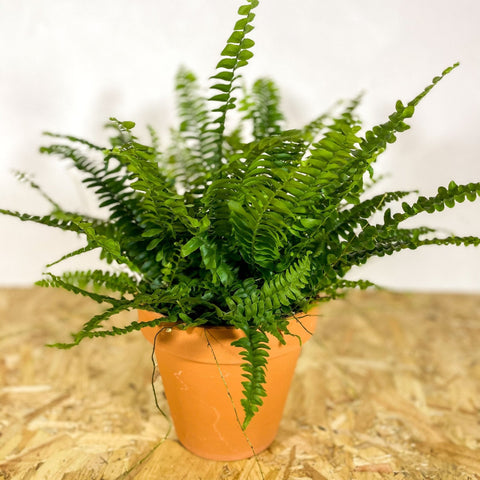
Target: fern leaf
(79, 251)
(278, 297)
(216, 200)
(357, 216)
(142, 301)
(285, 288)
(97, 279)
(109, 245)
(111, 185)
(382, 248)
(55, 281)
(123, 132)
(48, 220)
(377, 139)
(446, 197)
(263, 109)
(278, 188)
(262, 211)
(195, 140)
(113, 331)
(339, 288)
(330, 161)
(94, 322)
(254, 350)
(234, 56)
(73, 139)
(265, 309)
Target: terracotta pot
(201, 409)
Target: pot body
(202, 378)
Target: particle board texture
(388, 388)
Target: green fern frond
(235, 55)
(377, 139)
(446, 197)
(194, 136)
(123, 132)
(111, 185)
(285, 288)
(383, 248)
(339, 288)
(143, 301)
(387, 238)
(264, 207)
(263, 109)
(258, 310)
(88, 330)
(113, 331)
(154, 140)
(79, 251)
(97, 280)
(266, 145)
(254, 350)
(268, 306)
(330, 163)
(216, 262)
(64, 282)
(358, 215)
(158, 195)
(109, 246)
(216, 200)
(73, 139)
(47, 220)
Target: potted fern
(226, 240)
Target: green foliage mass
(241, 227)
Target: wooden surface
(389, 388)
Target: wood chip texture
(389, 388)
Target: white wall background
(66, 66)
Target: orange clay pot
(200, 406)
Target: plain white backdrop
(67, 66)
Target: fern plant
(242, 227)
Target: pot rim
(197, 343)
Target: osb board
(389, 388)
